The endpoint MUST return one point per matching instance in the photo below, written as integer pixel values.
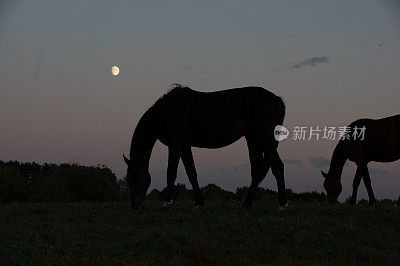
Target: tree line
(33, 182)
(56, 182)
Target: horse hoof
(282, 208)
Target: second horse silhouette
(381, 143)
(184, 118)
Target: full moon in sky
(115, 70)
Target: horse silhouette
(381, 143)
(185, 118)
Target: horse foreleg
(173, 162)
(356, 182)
(367, 183)
(188, 162)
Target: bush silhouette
(73, 182)
(51, 182)
(212, 191)
(11, 184)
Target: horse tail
(280, 110)
(276, 117)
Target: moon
(115, 70)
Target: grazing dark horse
(185, 118)
(381, 143)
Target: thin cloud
(187, 67)
(245, 167)
(40, 61)
(295, 162)
(6, 8)
(319, 162)
(377, 171)
(311, 62)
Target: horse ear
(127, 161)
(324, 174)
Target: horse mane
(176, 88)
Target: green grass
(220, 232)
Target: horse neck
(339, 158)
(143, 141)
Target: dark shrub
(212, 191)
(123, 189)
(51, 182)
(11, 184)
(178, 189)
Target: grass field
(218, 233)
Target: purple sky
(59, 101)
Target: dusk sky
(332, 61)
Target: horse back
(217, 119)
(381, 142)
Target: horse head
(139, 181)
(332, 186)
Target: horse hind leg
(258, 171)
(356, 183)
(368, 186)
(188, 162)
(278, 169)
